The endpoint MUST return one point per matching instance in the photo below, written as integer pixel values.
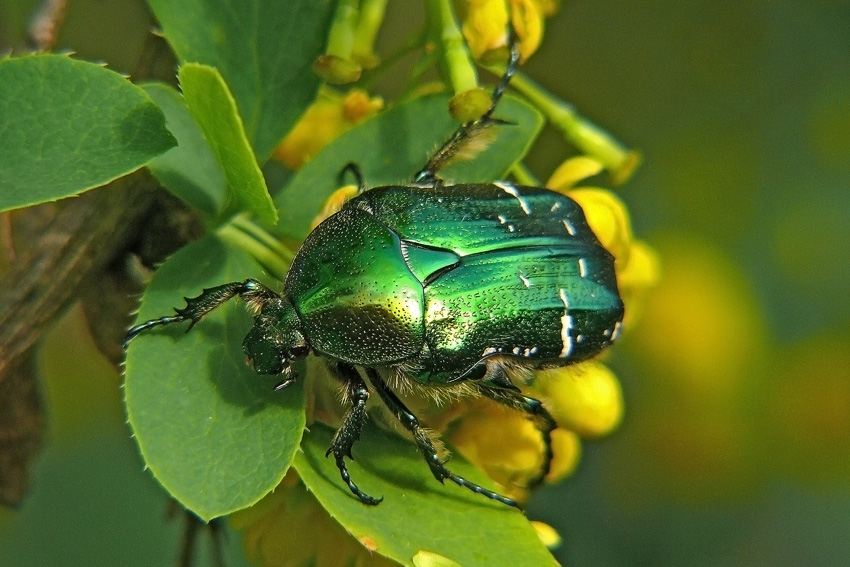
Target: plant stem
(341, 35)
(523, 175)
(444, 31)
(247, 236)
(583, 134)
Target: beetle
(433, 288)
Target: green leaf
(212, 431)
(191, 170)
(264, 49)
(210, 102)
(67, 126)
(418, 513)
(391, 147)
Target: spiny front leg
(424, 442)
(251, 291)
(356, 394)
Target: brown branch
(83, 238)
(86, 234)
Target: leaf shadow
(234, 381)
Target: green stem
(244, 223)
(523, 175)
(583, 134)
(247, 236)
(341, 35)
(371, 17)
(444, 31)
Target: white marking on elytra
(524, 279)
(582, 267)
(566, 325)
(571, 230)
(511, 228)
(618, 329)
(489, 351)
(513, 191)
(502, 219)
(525, 352)
(555, 207)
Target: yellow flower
(334, 203)
(329, 116)
(585, 398)
(485, 24)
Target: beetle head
(275, 340)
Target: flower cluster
(485, 22)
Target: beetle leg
(355, 171)
(424, 442)
(512, 398)
(471, 130)
(357, 394)
(251, 291)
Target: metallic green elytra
(434, 288)
(446, 281)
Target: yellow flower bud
(357, 105)
(336, 70)
(641, 273)
(425, 558)
(485, 25)
(585, 398)
(528, 24)
(547, 534)
(469, 105)
(572, 171)
(290, 527)
(512, 458)
(325, 120)
(334, 203)
(608, 218)
(566, 452)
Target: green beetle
(434, 288)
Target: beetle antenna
(471, 138)
(354, 169)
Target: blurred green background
(735, 448)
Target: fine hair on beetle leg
(399, 380)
